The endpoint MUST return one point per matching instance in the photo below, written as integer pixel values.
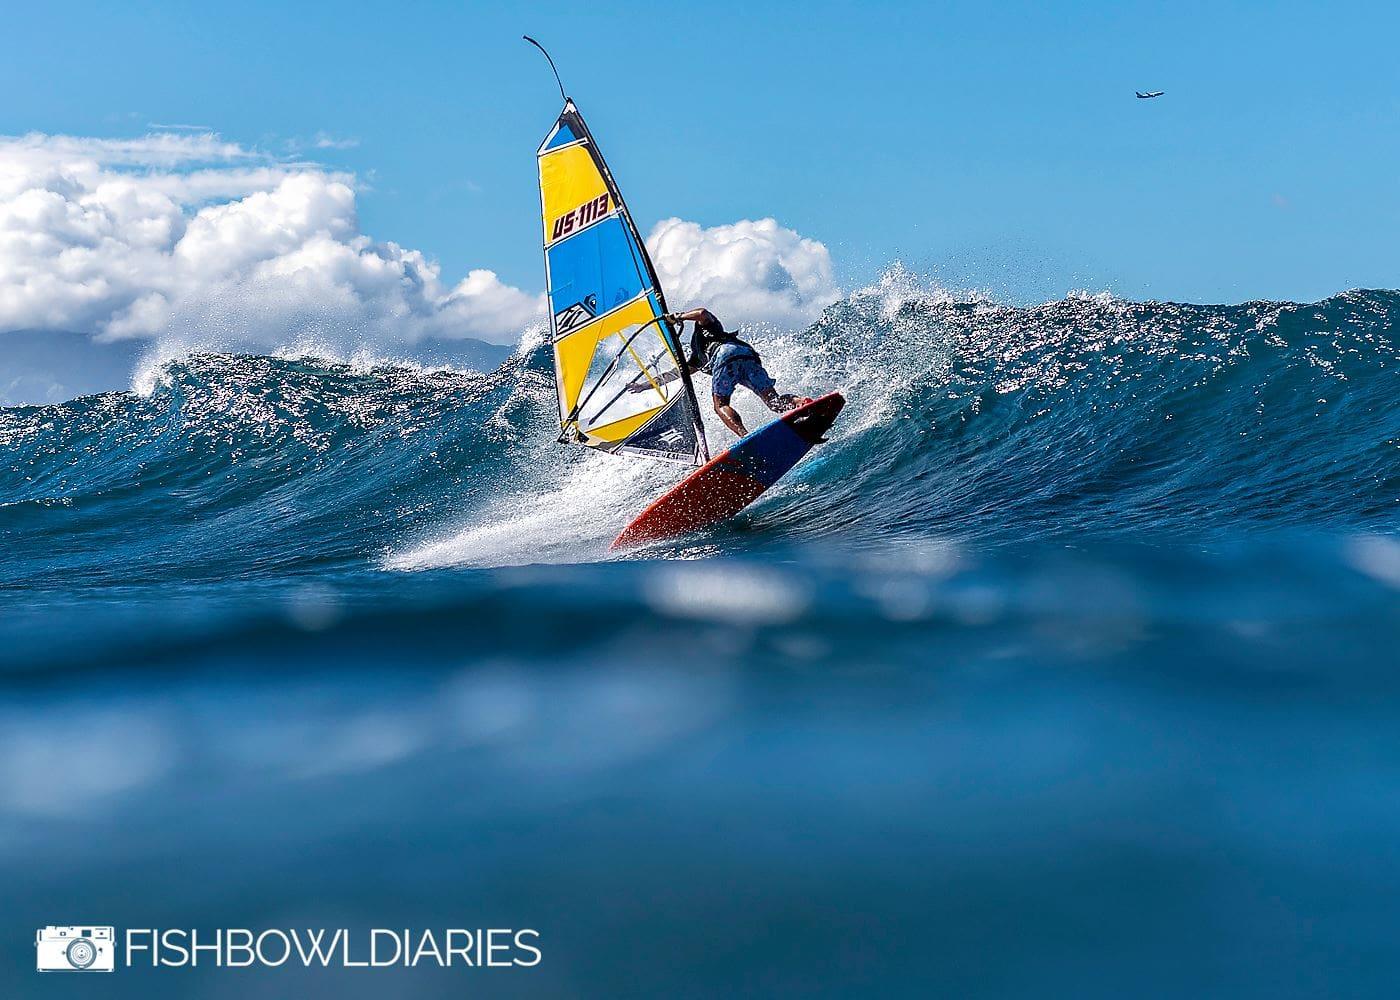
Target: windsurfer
(730, 362)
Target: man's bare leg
(730, 416)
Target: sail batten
(621, 381)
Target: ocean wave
(1089, 416)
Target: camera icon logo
(75, 949)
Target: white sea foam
(558, 515)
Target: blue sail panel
(591, 273)
(562, 136)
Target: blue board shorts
(746, 371)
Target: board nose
(816, 418)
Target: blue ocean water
(1067, 667)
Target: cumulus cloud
(747, 272)
(188, 237)
(185, 239)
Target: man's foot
(789, 402)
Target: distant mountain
(464, 353)
(50, 366)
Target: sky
(994, 146)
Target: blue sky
(999, 145)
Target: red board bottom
(735, 478)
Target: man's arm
(695, 358)
(730, 416)
(701, 315)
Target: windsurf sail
(618, 368)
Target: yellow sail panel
(620, 430)
(573, 354)
(572, 190)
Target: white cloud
(190, 238)
(746, 272)
(325, 140)
(176, 127)
(183, 238)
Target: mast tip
(551, 65)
